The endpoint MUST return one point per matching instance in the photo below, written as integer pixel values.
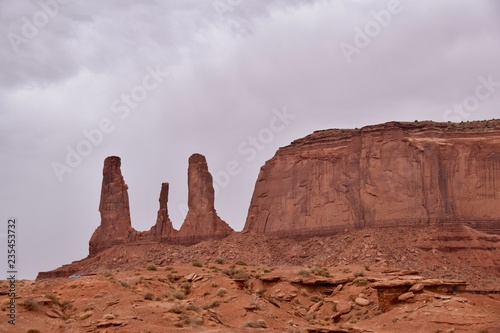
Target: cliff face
(391, 174)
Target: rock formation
(396, 173)
(163, 230)
(201, 221)
(114, 208)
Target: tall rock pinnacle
(163, 229)
(114, 208)
(202, 221)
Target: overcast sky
(155, 81)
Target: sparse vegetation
(53, 298)
(173, 277)
(149, 296)
(177, 309)
(484, 331)
(237, 274)
(316, 298)
(124, 284)
(214, 304)
(219, 261)
(197, 264)
(256, 324)
(359, 274)
(152, 268)
(193, 307)
(30, 304)
(221, 292)
(360, 281)
(66, 305)
(305, 273)
(320, 271)
(189, 321)
(240, 263)
(179, 295)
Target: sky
(156, 81)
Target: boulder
(406, 296)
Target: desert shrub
(197, 264)
(190, 321)
(359, 274)
(179, 295)
(241, 275)
(66, 305)
(30, 304)
(149, 295)
(31, 330)
(173, 277)
(256, 324)
(305, 273)
(320, 271)
(152, 268)
(240, 263)
(261, 292)
(256, 304)
(360, 281)
(316, 298)
(219, 261)
(186, 288)
(54, 298)
(177, 309)
(124, 284)
(484, 331)
(193, 307)
(214, 304)
(221, 292)
(346, 270)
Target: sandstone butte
(201, 223)
(393, 174)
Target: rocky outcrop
(163, 230)
(419, 173)
(202, 221)
(114, 207)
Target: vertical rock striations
(114, 208)
(384, 175)
(202, 221)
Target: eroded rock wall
(391, 174)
